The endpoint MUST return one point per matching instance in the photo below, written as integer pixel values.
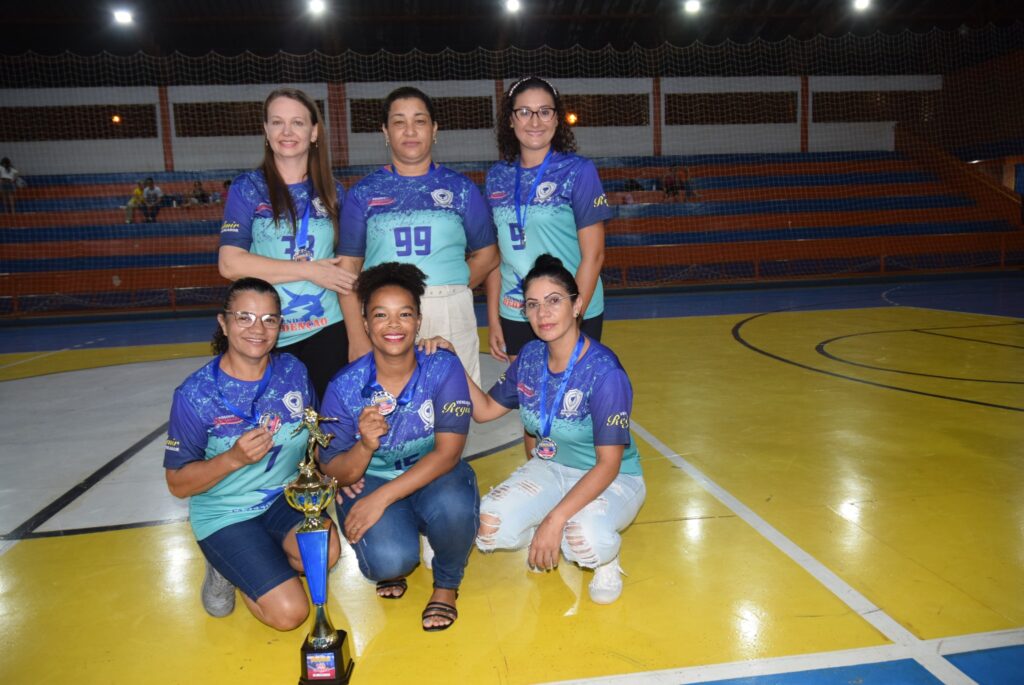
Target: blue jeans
(446, 510)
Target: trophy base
(331, 666)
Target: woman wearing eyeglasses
(584, 483)
(417, 212)
(545, 199)
(231, 449)
(281, 224)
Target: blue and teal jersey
(594, 410)
(431, 221)
(202, 426)
(249, 224)
(568, 198)
(439, 403)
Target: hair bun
(547, 261)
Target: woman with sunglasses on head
(403, 416)
(281, 224)
(232, 447)
(418, 212)
(584, 483)
(545, 199)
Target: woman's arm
(496, 338)
(544, 548)
(234, 263)
(481, 263)
(592, 259)
(485, 407)
(439, 461)
(352, 310)
(199, 476)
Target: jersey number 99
(410, 240)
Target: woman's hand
(329, 274)
(372, 427)
(496, 342)
(351, 491)
(432, 345)
(251, 446)
(363, 515)
(546, 544)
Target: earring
(435, 140)
(387, 143)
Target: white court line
(905, 644)
(51, 353)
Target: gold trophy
(326, 657)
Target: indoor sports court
(813, 279)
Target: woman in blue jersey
(231, 450)
(545, 199)
(584, 483)
(402, 421)
(281, 224)
(418, 212)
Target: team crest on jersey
(426, 413)
(319, 206)
(442, 197)
(546, 190)
(498, 195)
(292, 401)
(525, 389)
(571, 403)
(381, 201)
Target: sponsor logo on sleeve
(172, 445)
(458, 408)
(229, 227)
(620, 420)
(601, 201)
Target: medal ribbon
(302, 235)
(547, 417)
(373, 386)
(521, 206)
(251, 417)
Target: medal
(545, 449)
(272, 422)
(384, 401)
(302, 251)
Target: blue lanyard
(546, 416)
(373, 386)
(251, 417)
(521, 206)
(302, 237)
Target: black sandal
(442, 610)
(389, 584)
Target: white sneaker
(427, 552)
(218, 593)
(606, 586)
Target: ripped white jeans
(511, 512)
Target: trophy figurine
(326, 656)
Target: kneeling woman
(583, 484)
(402, 422)
(231, 450)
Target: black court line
(26, 531)
(62, 501)
(820, 348)
(977, 340)
(738, 337)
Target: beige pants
(448, 312)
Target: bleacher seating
(744, 217)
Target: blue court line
(901, 672)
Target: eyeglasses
(247, 319)
(524, 114)
(552, 301)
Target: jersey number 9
(410, 240)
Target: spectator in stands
(10, 181)
(670, 184)
(198, 195)
(414, 211)
(406, 472)
(632, 185)
(281, 225)
(216, 197)
(584, 483)
(134, 202)
(232, 446)
(151, 198)
(545, 199)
